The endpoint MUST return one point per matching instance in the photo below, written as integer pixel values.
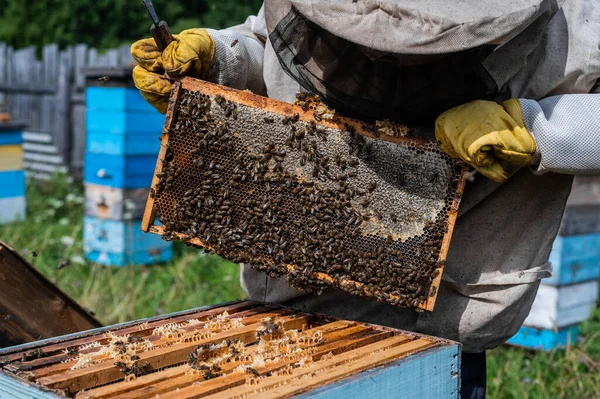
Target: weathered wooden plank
(44, 167)
(37, 137)
(125, 57)
(40, 148)
(80, 62)
(34, 303)
(51, 59)
(27, 88)
(33, 157)
(113, 57)
(3, 63)
(62, 125)
(42, 176)
(78, 138)
(92, 56)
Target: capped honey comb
(234, 350)
(325, 202)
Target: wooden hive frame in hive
(398, 260)
(240, 349)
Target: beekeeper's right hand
(190, 54)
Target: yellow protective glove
(190, 54)
(490, 137)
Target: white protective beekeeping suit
(544, 53)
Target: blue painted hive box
(574, 259)
(544, 339)
(239, 349)
(12, 196)
(12, 176)
(115, 203)
(121, 243)
(118, 171)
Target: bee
(434, 178)
(252, 370)
(63, 264)
(34, 254)
(234, 43)
(103, 79)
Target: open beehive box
(297, 191)
(235, 350)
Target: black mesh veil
(369, 84)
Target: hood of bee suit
(407, 60)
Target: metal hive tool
(234, 350)
(324, 202)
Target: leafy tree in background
(108, 23)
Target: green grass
(54, 231)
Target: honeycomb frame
(417, 260)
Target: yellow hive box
(11, 157)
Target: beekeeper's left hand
(490, 137)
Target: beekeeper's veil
(407, 60)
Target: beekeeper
(505, 86)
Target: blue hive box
(121, 243)
(120, 111)
(543, 339)
(118, 171)
(575, 259)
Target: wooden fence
(48, 94)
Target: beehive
(323, 200)
(241, 349)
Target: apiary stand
(569, 296)
(122, 133)
(228, 350)
(12, 176)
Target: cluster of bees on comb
(297, 199)
(275, 345)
